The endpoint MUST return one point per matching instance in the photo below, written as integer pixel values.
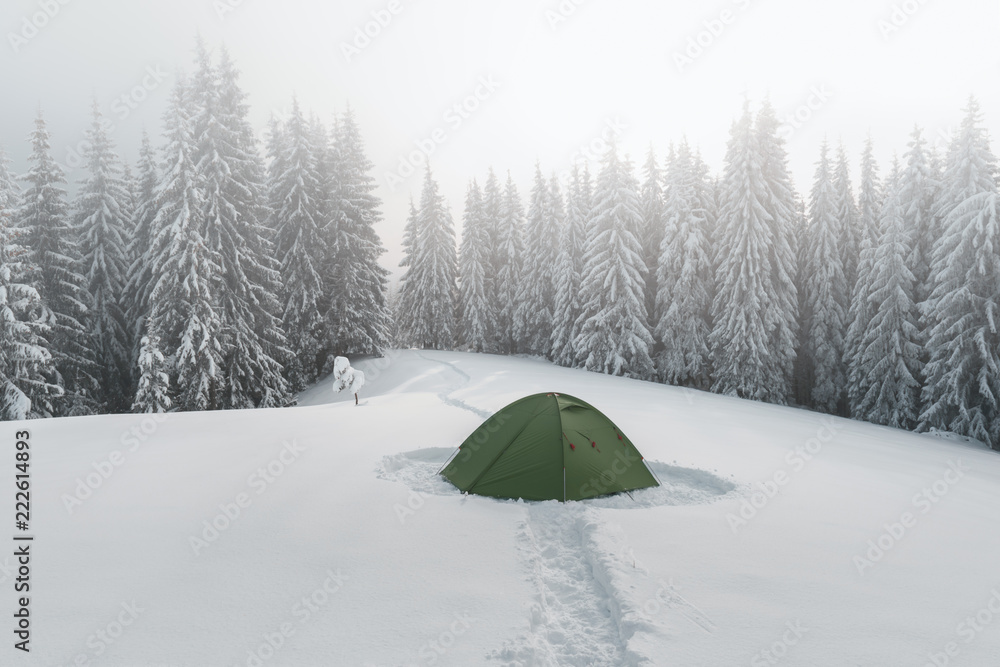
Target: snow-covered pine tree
(153, 393)
(335, 273)
(587, 194)
(297, 206)
(510, 256)
(569, 272)
(740, 333)
(916, 196)
(403, 310)
(54, 247)
(358, 318)
(392, 303)
(847, 217)
(802, 381)
(939, 211)
(536, 297)
(614, 325)
(430, 282)
(102, 218)
(557, 216)
(861, 312)
(786, 220)
(824, 294)
(673, 202)
(231, 176)
(870, 197)
(706, 186)
(141, 254)
(651, 194)
(477, 311)
(131, 184)
(755, 306)
(888, 360)
(684, 292)
(492, 214)
(186, 268)
(321, 141)
(25, 362)
(962, 390)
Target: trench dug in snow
(418, 470)
(580, 614)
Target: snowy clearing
(320, 535)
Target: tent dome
(548, 447)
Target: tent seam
(505, 448)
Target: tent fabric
(548, 447)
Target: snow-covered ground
(779, 536)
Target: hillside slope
(818, 540)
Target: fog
(509, 83)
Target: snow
(401, 569)
(345, 377)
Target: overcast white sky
(864, 65)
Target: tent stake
(564, 483)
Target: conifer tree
(786, 219)
(614, 329)
(861, 312)
(102, 218)
(962, 390)
(754, 309)
(651, 194)
(297, 207)
(684, 269)
(492, 217)
(510, 252)
(153, 393)
(403, 312)
(569, 272)
(54, 247)
(825, 294)
(141, 254)
(186, 268)
(358, 318)
(232, 178)
(888, 360)
(430, 282)
(477, 312)
(25, 362)
(916, 196)
(705, 187)
(536, 297)
(847, 217)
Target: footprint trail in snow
(446, 397)
(572, 619)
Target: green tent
(548, 447)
